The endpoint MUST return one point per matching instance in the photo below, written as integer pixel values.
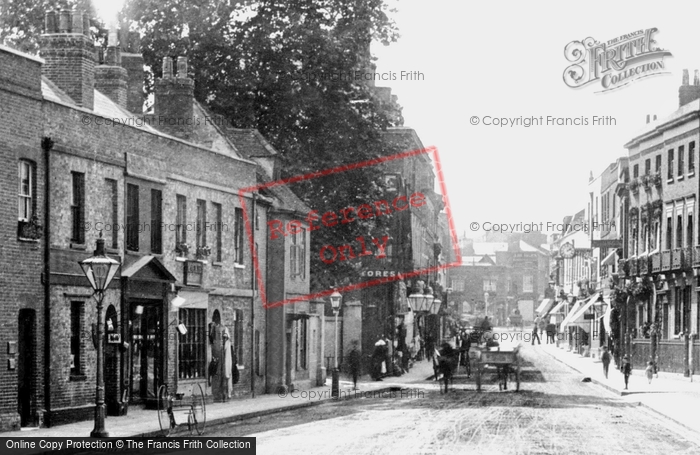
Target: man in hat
(626, 369)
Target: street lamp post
(335, 384)
(99, 270)
(599, 308)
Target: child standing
(649, 371)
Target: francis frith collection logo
(614, 63)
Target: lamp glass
(335, 300)
(417, 302)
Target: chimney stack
(110, 77)
(69, 55)
(688, 93)
(132, 61)
(174, 97)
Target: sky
(506, 59)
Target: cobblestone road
(554, 413)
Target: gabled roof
(147, 267)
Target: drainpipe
(47, 145)
(252, 300)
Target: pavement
(144, 423)
(672, 396)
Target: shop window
(192, 348)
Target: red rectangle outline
(308, 297)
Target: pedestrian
(354, 361)
(535, 335)
(626, 369)
(379, 360)
(465, 345)
(551, 331)
(541, 325)
(605, 358)
(649, 371)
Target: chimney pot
(86, 25)
(64, 21)
(648, 117)
(685, 77)
(50, 22)
(696, 78)
(167, 68)
(654, 117)
(77, 19)
(182, 67)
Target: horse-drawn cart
(506, 361)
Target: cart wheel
(198, 410)
(164, 410)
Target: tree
(294, 71)
(22, 21)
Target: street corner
(357, 235)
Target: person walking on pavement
(535, 331)
(626, 369)
(541, 325)
(354, 360)
(551, 331)
(649, 371)
(605, 358)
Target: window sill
(691, 175)
(180, 259)
(25, 240)
(680, 178)
(217, 264)
(238, 266)
(669, 181)
(78, 246)
(77, 377)
(112, 250)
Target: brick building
(661, 237)
(162, 190)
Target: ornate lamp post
(99, 270)
(335, 384)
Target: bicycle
(194, 408)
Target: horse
(446, 364)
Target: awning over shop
(543, 306)
(557, 307)
(609, 259)
(571, 314)
(579, 313)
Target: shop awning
(543, 306)
(609, 259)
(573, 311)
(579, 313)
(557, 307)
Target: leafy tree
(22, 21)
(293, 70)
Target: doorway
(146, 351)
(25, 366)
